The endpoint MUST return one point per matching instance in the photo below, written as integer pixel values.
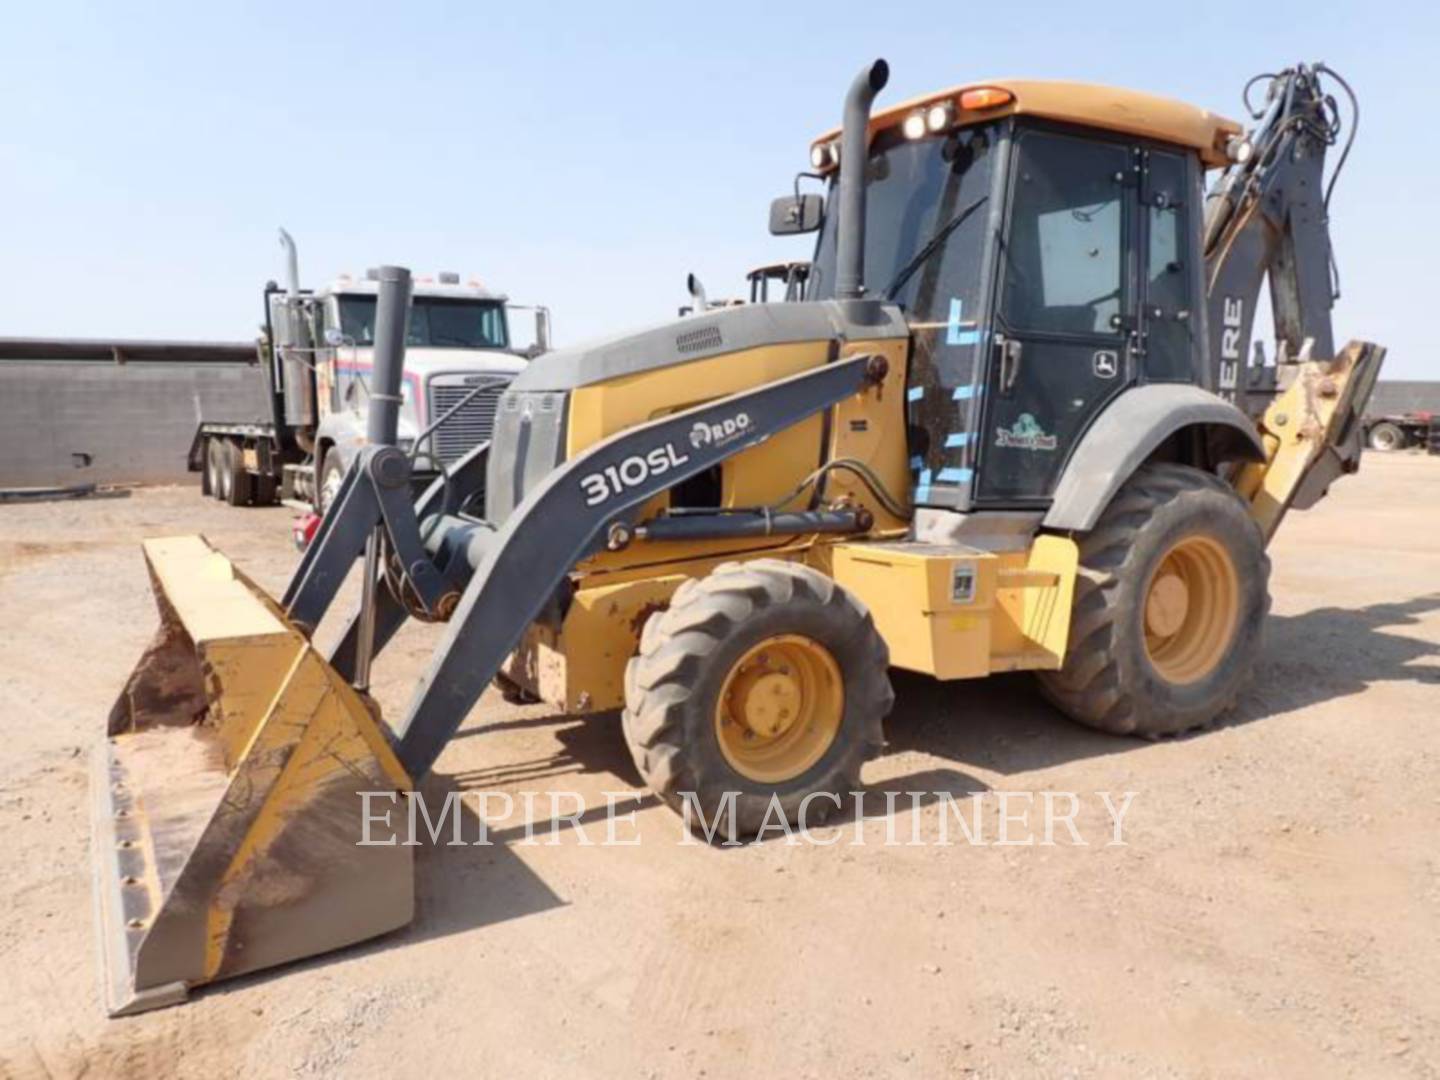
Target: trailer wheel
(237, 480)
(215, 468)
(764, 682)
(1170, 600)
(1387, 437)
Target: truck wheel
(332, 474)
(1170, 599)
(236, 480)
(764, 680)
(1386, 437)
(215, 468)
(265, 489)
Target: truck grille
(472, 425)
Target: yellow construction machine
(1013, 424)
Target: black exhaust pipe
(854, 139)
(392, 311)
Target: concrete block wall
(134, 421)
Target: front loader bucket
(227, 817)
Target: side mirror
(542, 330)
(791, 214)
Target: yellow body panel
(764, 474)
(961, 613)
(871, 427)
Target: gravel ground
(1274, 910)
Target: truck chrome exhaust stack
(854, 144)
(292, 265)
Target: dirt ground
(1275, 909)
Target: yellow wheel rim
(1192, 606)
(779, 708)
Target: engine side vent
(700, 339)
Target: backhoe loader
(1012, 425)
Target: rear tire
(1170, 601)
(237, 480)
(215, 468)
(1387, 437)
(764, 679)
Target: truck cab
(458, 339)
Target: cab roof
(424, 286)
(1131, 112)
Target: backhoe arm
(1267, 217)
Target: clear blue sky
(587, 155)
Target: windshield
(925, 208)
(435, 323)
(926, 212)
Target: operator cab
(1046, 257)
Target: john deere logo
(726, 431)
(1025, 434)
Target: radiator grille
(472, 425)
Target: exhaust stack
(854, 140)
(392, 312)
(292, 266)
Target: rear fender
(1129, 432)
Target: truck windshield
(435, 323)
(924, 223)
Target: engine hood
(724, 330)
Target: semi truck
(315, 352)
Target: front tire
(763, 681)
(332, 475)
(1170, 601)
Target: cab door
(1066, 318)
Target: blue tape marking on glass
(954, 335)
(959, 438)
(922, 489)
(915, 393)
(955, 476)
(965, 393)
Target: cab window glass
(1167, 270)
(1064, 267)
